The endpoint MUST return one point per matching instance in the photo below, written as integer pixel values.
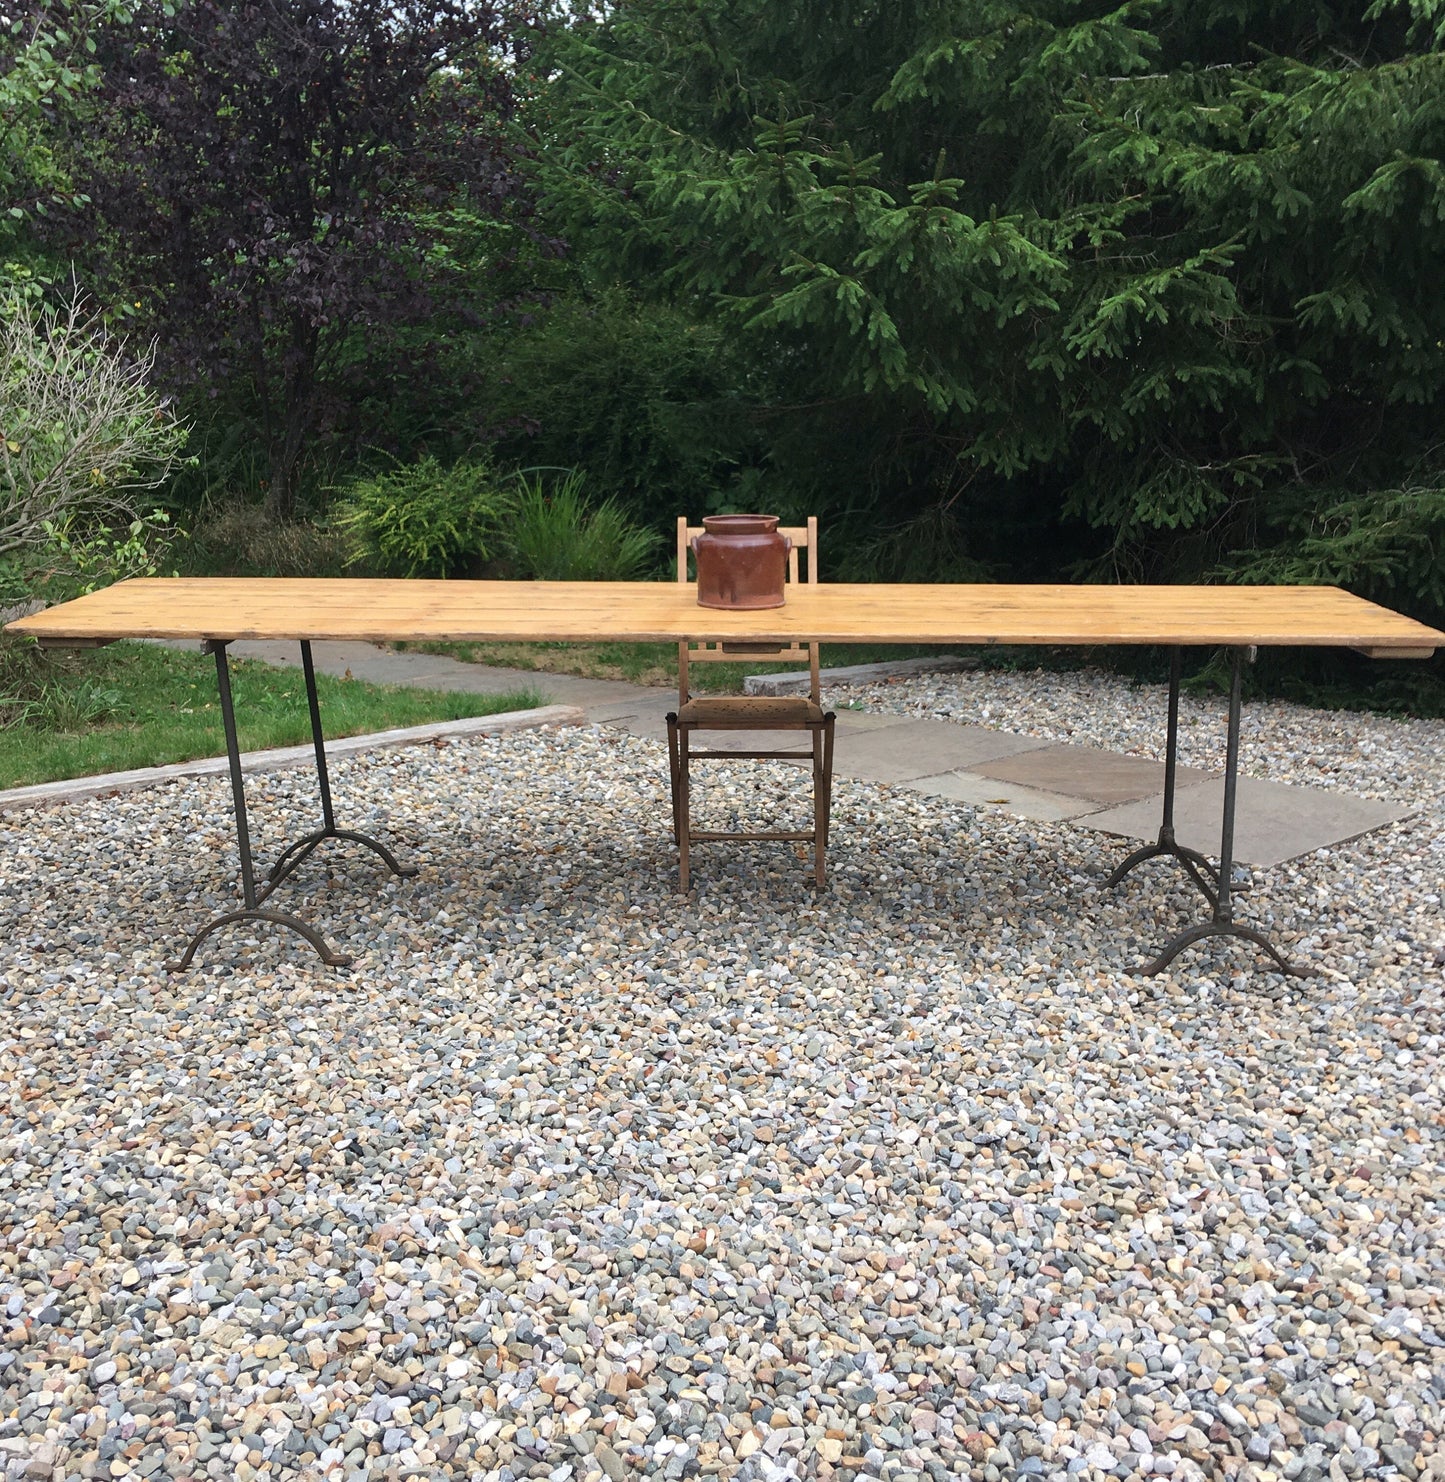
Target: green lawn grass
(137, 705)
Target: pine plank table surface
(314, 609)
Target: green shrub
(84, 437)
(424, 519)
(41, 690)
(20, 662)
(557, 536)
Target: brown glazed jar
(742, 561)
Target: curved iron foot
(1221, 929)
(295, 853)
(1204, 875)
(329, 955)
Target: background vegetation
(1065, 288)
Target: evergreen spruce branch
(1427, 18)
(1375, 540)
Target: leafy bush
(82, 433)
(1383, 543)
(557, 536)
(20, 660)
(269, 175)
(426, 520)
(39, 690)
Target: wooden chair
(750, 713)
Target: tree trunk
(296, 418)
(280, 485)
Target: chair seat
(762, 711)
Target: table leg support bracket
(1215, 883)
(295, 853)
(1218, 928)
(1196, 865)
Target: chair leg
(672, 770)
(684, 811)
(828, 721)
(815, 738)
(679, 755)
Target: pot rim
(740, 524)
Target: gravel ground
(569, 1178)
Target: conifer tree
(1157, 282)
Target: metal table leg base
(1198, 867)
(1200, 870)
(294, 854)
(1221, 929)
(328, 954)
(1222, 923)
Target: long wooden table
(218, 611)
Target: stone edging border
(55, 793)
(797, 682)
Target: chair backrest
(805, 539)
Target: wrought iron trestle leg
(1222, 923)
(293, 855)
(328, 954)
(252, 910)
(1198, 867)
(828, 729)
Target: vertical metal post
(252, 909)
(293, 855)
(1222, 906)
(1196, 866)
(1171, 750)
(238, 785)
(322, 776)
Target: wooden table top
(221, 608)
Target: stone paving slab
(922, 748)
(1273, 822)
(1104, 777)
(852, 721)
(988, 792)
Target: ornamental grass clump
(556, 535)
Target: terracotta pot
(742, 561)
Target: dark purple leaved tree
(269, 178)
